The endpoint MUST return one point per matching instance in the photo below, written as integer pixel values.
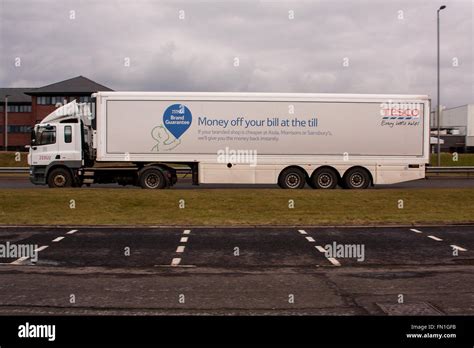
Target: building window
(84, 99)
(43, 100)
(67, 134)
(18, 129)
(50, 100)
(56, 100)
(18, 108)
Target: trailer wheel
(324, 178)
(356, 178)
(152, 179)
(59, 177)
(292, 178)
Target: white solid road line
(41, 248)
(72, 232)
(302, 231)
(334, 261)
(187, 232)
(435, 238)
(20, 260)
(175, 261)
(310, 239)
(414, 230)
(180, 249)
(58, 239)
(320, 248)
(458, 247)
(184, 239)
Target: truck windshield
(43, 135)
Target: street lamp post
(438, 101)
(6, 122)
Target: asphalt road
(239, 271)
(23, 182)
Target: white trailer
(322, 140)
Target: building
(28, 106)
(457, 128)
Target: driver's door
(45, 148)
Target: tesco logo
(401, 112)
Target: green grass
(235, 206)
(448, 160)
(10, 159)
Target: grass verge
(13, 159)
(448, 160)
(235, 207)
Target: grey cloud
(386, 55)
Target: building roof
(15, 95)
(75, 85)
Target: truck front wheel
(60, 177)
(152, 179)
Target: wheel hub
(59, 180)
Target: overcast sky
(357, 46)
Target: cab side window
(67, 134)
(46, 136)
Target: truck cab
(57, 144)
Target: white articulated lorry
(323, 140)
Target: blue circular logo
(177, 119)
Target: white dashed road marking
(458, 247)
(435, 238)
(20, 260)
(180, 249)
(440, 240)
(320, 248)
(175, 261)
(334, 261)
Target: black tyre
(356, 178)
(59, 178)
(292, 178)
(324, 178)
(152, 179)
